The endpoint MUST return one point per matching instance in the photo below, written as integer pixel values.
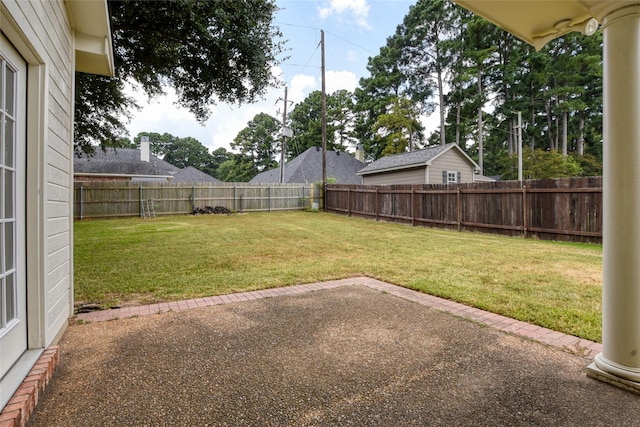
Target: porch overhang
(92, 36)
(537, 22)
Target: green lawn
(127, 261)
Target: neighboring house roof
(413, 159)
(307, 167)
(191, 174)
(122, 161)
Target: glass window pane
(2, 245)
(8, 246)
(9, 193)
(2, 195)
(2, 142)
(10, 305)
(2, 67)
(9, 91)
(9, 143)
(2, 304)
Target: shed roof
(413, 159)
(307, 167)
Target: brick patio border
(21, 405)
(553, 338)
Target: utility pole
(520, 147)
(324, 125)
(285, 134)
(480, 135)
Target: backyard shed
(440, 164)
(42, 44)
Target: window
(7, 194)
(451, 177)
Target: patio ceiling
(539, 21)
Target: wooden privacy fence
(119, 199)
(568, 209)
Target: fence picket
(562, 209)
(120, 199)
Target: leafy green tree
(209, 51)
(541, 164)
(259, 141)
(425, 55)
(399, 130)
(188, 151)
(306, 124)
(239, 168)
(100, 106)
(341, 117)
(218, 156)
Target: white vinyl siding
(407, 176)
(46, 41)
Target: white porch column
(619, 361)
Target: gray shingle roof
(191, 174)
(406, 160)
(122, 161)
(307, 168)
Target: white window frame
(451, 174)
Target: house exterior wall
(407, 176)
(450, 161)
(41, 33)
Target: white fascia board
(92, 36)
(394, 168)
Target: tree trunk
(580, 147)
(550, 126)
(443, 139)
(480, 135)
(565, 118)
(458, 112)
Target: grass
(127, 261)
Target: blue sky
(354, 31)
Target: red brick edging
(23, 402)
(20, 407)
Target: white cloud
(301, 86)
(358, 9)
(336, 80)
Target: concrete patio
(349, 352)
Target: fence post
(413, 218)
(81, 197)
(193, 198)
(348, 202)
(377, 203)
(141, 204)
(524, 211)
(235, 208)
(269, 197)
(459, 208)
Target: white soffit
(539, 21)
(92, 30)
